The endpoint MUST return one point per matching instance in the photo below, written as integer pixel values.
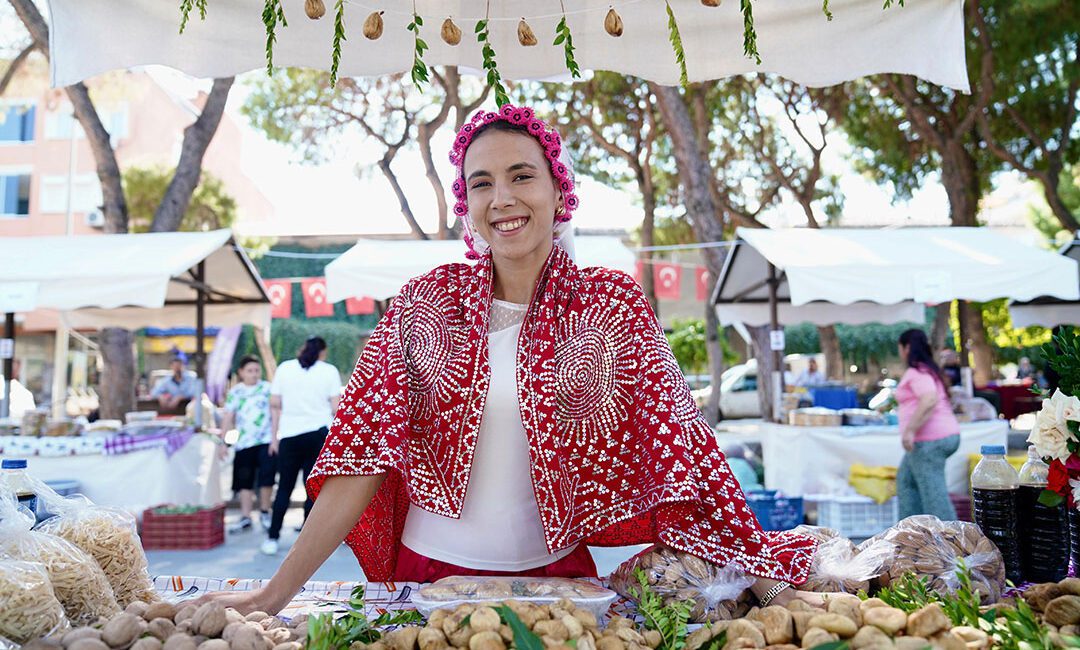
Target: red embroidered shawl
(620, 453)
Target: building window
(17, 123)
(86, 194)
(15, 195)
(59, 123)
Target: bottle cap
(13, 463)
(993, 450)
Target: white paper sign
(776, 340)
(7, 348)
(18, 296)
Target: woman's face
(511, 194)
(903, 350)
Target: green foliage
(857, 342)
(211, 206)
(566, 39)
(339, 36)
(669, 620)
(494, 78)
(687, 340)
(1001, 333)
(1043, 220)
(1063, 355)
(342, 341)
(185, 11)
(750, 50)
(419, 68)
(327, 633)
(677, 46)
(273, 13)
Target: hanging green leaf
(419, 68)
(566, 39)
(749, 32)
(494, 79)
(677, 45)
(339, 36)
(273, 13)
(825, 9)
(888, 3)
(186, 7)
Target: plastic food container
(457, 590)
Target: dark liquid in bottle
(1044, 534)
(995, 513)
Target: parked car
(738, 392)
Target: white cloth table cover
(816, 460)
(141, 479)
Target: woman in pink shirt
(928, 430)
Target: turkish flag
(668, 280)
(701, 274)
(315, 302)
(359, 306)
(280, 292)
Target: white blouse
(500, 527)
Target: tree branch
(986, 70)
(14, 66)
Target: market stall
(1048, 310)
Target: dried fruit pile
(163, 626)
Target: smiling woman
(506, 414)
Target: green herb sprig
(339, 36)
(273, 13)
(524, 638)
(327, 633)
(186, 6)
(494, 79)
(566, 39)
(669, 620)
(677, 45)
(749, 32)
(825, 10)
(888, 3)
(419, 68)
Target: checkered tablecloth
(169, 439)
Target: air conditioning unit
(95, 219)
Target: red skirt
(413, 567)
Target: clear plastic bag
(28, 607)
(457, 590)
(718, 593)
(840, 567)
(933, 549)
(108, 534)
(76, 579)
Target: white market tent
(1047, 310)
(924, 38)
(840, 275)
(379, 268)
(133, 280)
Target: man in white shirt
(811, 376)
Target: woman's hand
(246, 602)
(907, 438)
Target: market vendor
(507, 413)
(177, 388)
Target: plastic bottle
(1044, 531)
(995, 486)
(13, 477)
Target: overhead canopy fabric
(924, 38)
(378, 268)
(895, 268)
(132, 280)
(1045, 310)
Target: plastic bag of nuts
(840, 566)
(934, 549)
(718, 593)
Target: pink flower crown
(547, 137)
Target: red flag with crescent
(701, 275)
(668, 280)
(315, 302)
(280, 292)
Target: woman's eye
(522, 177)
(479, 184)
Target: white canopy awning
(1047, 311)
(898, 269)
(924, 38)
(132, 280)
(379, 268)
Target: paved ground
(239, 557)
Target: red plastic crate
(196, 531)
(962, 503)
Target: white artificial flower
(1066, 407)
(1074, 483)
(1051, 435)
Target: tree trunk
(939, 331)
(830, 346)
(15, 65)
(423, 139)
(981, 352)
(715, 352)
(197, 137)
(648, 229)
(1050, 183)
(267, 353)
(118, 379)
(765, 367)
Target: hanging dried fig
(315, 9)
(451, 33)
(525, 34)
(373, 25)
(613, 23)
(711, 3)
